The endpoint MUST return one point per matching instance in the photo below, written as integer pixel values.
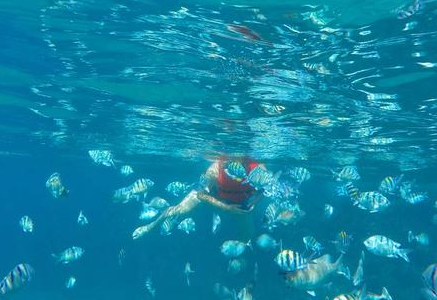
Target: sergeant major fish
(102, 157)
(390, 184)
(158, 203)
(311, 244)
(126, 170)
(342, 241)
(236, 265)
(55, 186)
(178, 188)
(233, 248)
(259, 177)
(187, 225)
(235, 170)
(69, 255)
(372, 202)
(148, 212)
(348, 173)
(290, 261)
(26, 224)
(16, 279)
(383, 296)
(299, 174)
(383, 246)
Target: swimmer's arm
(220, 204)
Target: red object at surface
(234, 190)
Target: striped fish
(348, 190)
(16, 279)
(342, 241)
(126, 170)
(348, 173)
(299, 174)
(311, 244)
(102, 157)
(235, 170)
(416, 6)
(259, 178)
(55, 186)
(390, 184)
(290, 261)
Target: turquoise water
(170, 86)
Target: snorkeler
(223, 189)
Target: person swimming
(221, 190)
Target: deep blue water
(169, 86)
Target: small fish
(291, 261)
(265, 241)
(328, 211)
(121, 257)
(102, 157)
(415, 198)
(70, 283)
(342, 241)
(126, 170)
(348, 173)
(270, 215)
(236, 265)
(429, 278)
(390, 184)
(187, 225)
(235, 170)
(149, 287)
(299, 174)
(135, 191)
(348, 190)
(223, 292)
(372, 202)
(82, 219)
(357, 279)
(244, 31)
(360, 295)
(412, 9)
(148, 212)
(405, 189)
(187, 272)
(55, 186)
(16, 279)
(178, 188)
(159, 203)
(26, 224)
(383, 246)
(259, 178)
(233, 248)
(216, 223)
(168, 225)
(69, 255)
(421, 238)
(311, 244)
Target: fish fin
(362, 293)
(385, 295)
(249, 244)
(311, 293)
(403, 253)
(341, 268)
(335, 175)
(56, 257)
(410, 236)
(280, 245)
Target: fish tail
(362, 293)
(341, 268)
(385, 294)
(403, 253)
(249, 244)
(334, 174)
(56, 257)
